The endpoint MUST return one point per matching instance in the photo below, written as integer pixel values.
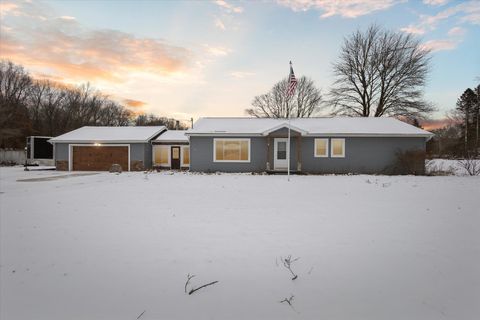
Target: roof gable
(172, 136)
(89, 134)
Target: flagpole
(288, 143)
(288, 146)
(292, 84)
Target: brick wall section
(61, 165)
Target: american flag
(292, 82)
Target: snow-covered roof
(338, 126)
(172, 136)
(109, 134)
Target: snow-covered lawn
(447, 166)
(110, 246)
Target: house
(171, 150)
(318, 145)
(97, 148)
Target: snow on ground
(448, 166)
(109, 246)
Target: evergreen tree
(467, 113)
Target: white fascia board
(371, 135)
(223, 134)
(284, 125)
(99, 141)
(168, 141)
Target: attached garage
(98, 148)
(99, 158)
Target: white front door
(280, 154)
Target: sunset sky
(201, 58)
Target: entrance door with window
(280, 154)
(175, 158)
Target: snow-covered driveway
(109, 246)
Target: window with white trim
(162, 155)
(231, 150)
(337, 148)
(185, 156)
(321, 148)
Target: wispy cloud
(67, 18)
(228, 7)
(344, 8)
(456, 31)
(437, 123)
(7, 8)
(441, 44)
(466, 12)
(219, 23)
(216, 50)
(131, 103)
(413, 29)
(64, 48)
(435, 2)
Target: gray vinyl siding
(61, 151)
(137, 152)
(362, 155)
(201, 156)
(147, 156)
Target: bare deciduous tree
(14, 87)
(381, 73)
(42, 107)
(471, 165)
(276, 104)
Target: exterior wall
(147, 155)
(61, 151)
(140, 155)
(362, 155)
(60, 156)
(201, 156)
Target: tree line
(30, 106)
(461, 138)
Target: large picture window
(162, 155)
(231, 150)
(338, 148)
(321, 148)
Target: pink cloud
(456, 31)
(64, 48)
(466, 12)
(435, 2)
(228, 6)
(345, 8)
(413, 30)
(440, 45)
